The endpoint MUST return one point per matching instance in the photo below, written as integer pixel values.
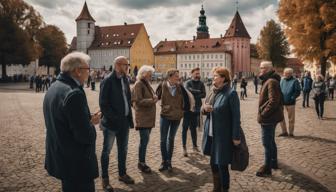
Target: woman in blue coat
(221, 128)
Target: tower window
(88, 31)
(89, 25)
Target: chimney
(194, 37)
(221, 36)
(125, 23)
(165, 39)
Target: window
(88, 31)
(193, 65)
(185, 65)
(202, 64)
(189, 65)
(207, 56)
(181, 65)
(207, 64)
(89, 25)
(194, 57)
(216, 56)
(189, 57)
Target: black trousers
(224, 174)
(76, 186)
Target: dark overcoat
(225, 119)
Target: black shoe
(106, 185)
(169, 167)
(264, 172)
(283, 135)
(291, 135)
(144, 168)
(163, 167)
(126, 179)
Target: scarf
(210, 99)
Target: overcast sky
(171, 19)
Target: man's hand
(236, 142)
(155, 98)
(95, 118)
(208, 108)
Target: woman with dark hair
(221, 128)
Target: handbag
(240, 154)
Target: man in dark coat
(115, 104)
(307, 85)
(270, 112)
(191, 118)
(71, 135)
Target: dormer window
(132, 33)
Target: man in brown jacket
(270, 112)
(170, 93)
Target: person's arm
(137, 96)
(76, 111)
(235, 110)
(105, 100)
(297, 88)
(274, 97)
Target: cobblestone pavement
(307, 161)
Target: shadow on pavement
(312, 138)
(292, 176)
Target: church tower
(239, 39)
(85, 29)
(202, 28)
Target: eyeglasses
(87, 68)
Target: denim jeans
(305, 98)
(268, 140)
(168, 129)
(71, 186)
(319, 104)
(122, 143)
(190, 121)
(144, 139)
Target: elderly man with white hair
(290, 88)
(144, 103)
(71, 135)
(270, 112)
(115, 104)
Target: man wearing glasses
(71, 135)
(115, 105)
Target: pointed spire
(237, 28)
(202, 28)
(85, 14)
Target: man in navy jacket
(71, 135)
(115, 104)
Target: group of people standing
(71, 135)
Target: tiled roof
(118, 36)
(237, 28)
(190, 46)
(85, 14)
(73, 45)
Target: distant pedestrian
(331, 87)
(144, 104)
(234, 82)
(306, 84)
(256, 83)
(290, 88)
(243, 90)
(71, 135)
(319, 88)
(270, 112)
(31, 82)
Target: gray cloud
(51, 4)
(143, 4)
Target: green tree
(19, 23)
(272, 44)
(311, 29)
(53, 44)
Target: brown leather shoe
(126, 179)
(106, 185)
(264, 172)
(144, 168)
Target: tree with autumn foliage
(272, 44)
(311, 29)
(19, 23)
(53, 44)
